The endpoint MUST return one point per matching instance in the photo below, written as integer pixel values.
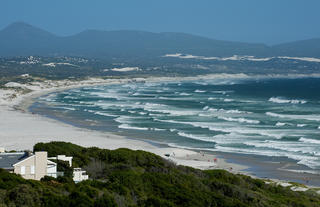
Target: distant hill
(21, 39)
(303, 48)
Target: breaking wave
(283, 100)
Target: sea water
(270, 117)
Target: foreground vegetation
(136, 178)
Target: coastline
(20, 129)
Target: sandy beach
(21, 129)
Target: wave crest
(283, 100)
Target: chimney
(40, 164)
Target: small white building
(79, 175)
(62, 158)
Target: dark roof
(7, 160)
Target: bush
(24, 195)
(105, 201)
(137, 178)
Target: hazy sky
(268, 21)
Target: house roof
(7, 160)
(23, 160)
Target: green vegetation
(136, 178)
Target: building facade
(35, 167)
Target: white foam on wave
(283, 100)
(127, 126)
(241, 120)
(311, 141)
(212, 98)
(279, 124)
(301, 125)
(233, 111)
(228, 100)
(243, 130)
(221, 114)
(168, 121)
(289, 116)
(108, 95)
(157, 129)
(170, 112)
(182, 98)
(236, 111)
(123, 119)
(222, 92)
(195, 137)
(199, 91)
(310, 161)
(103, 114)
(205, 108)
(70, 97)
(184, 94)
(153, 105)
(66, 108)
(285, 146)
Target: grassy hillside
(136, 178)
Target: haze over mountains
(21, 39)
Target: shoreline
(18, 111)
(53, 130)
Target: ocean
(253, 116)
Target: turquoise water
(271, 117)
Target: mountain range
(22, 39)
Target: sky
(263, 21)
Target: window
(23, 170)
(32, 169)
